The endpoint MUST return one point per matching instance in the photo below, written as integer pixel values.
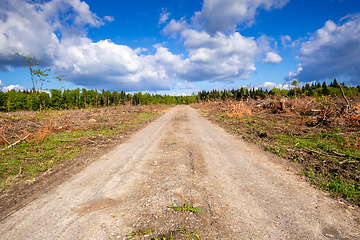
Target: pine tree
(325, 89)
(334, 83)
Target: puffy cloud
(164, 16)
(272, 57)
(174, 28)
(109, 18)
(10, 87)
(58, 11)
(332, 51)
(286, 40)
(226, 15)
(86, 62)
(264, 48)
(218, 58)
(22, 29)
(37, 28)
(42, 30)
(271, 85)
(293, 75)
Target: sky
(180, 47)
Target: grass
(333, 154)
(190, 235)
(139, 233)
(185, 208)
(29, 158)
(164, 238)
(183, 231)
(322, 145)
(335, 184)
(276, 150)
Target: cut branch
(347, 102)
(338, 154)
(19, 141)
(4, 139)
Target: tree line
(315, 90)
(83, 98)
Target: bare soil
(242, 191)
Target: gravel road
(243, 192)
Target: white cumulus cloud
(86, 61)
(286, 40)
(218, 58)
(271, 85)
(226, 15)
(293, 75)
(42, 30)
(39, 29)
(10, 87)
(174, 28)
(332, 51)
(272, 57)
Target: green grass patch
(185, 208)
(27, 159)
(139, 233)
(335, 184)
(277, 150)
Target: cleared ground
(243, 192)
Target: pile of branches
(231, 109)
(324, 111)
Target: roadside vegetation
(321, 134)
(32, 142)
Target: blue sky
(180, 47)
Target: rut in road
(183, 158)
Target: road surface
(182, 158)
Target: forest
(83, 98)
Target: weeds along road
(182, 158)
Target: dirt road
(243, 192)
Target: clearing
(138, 188)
